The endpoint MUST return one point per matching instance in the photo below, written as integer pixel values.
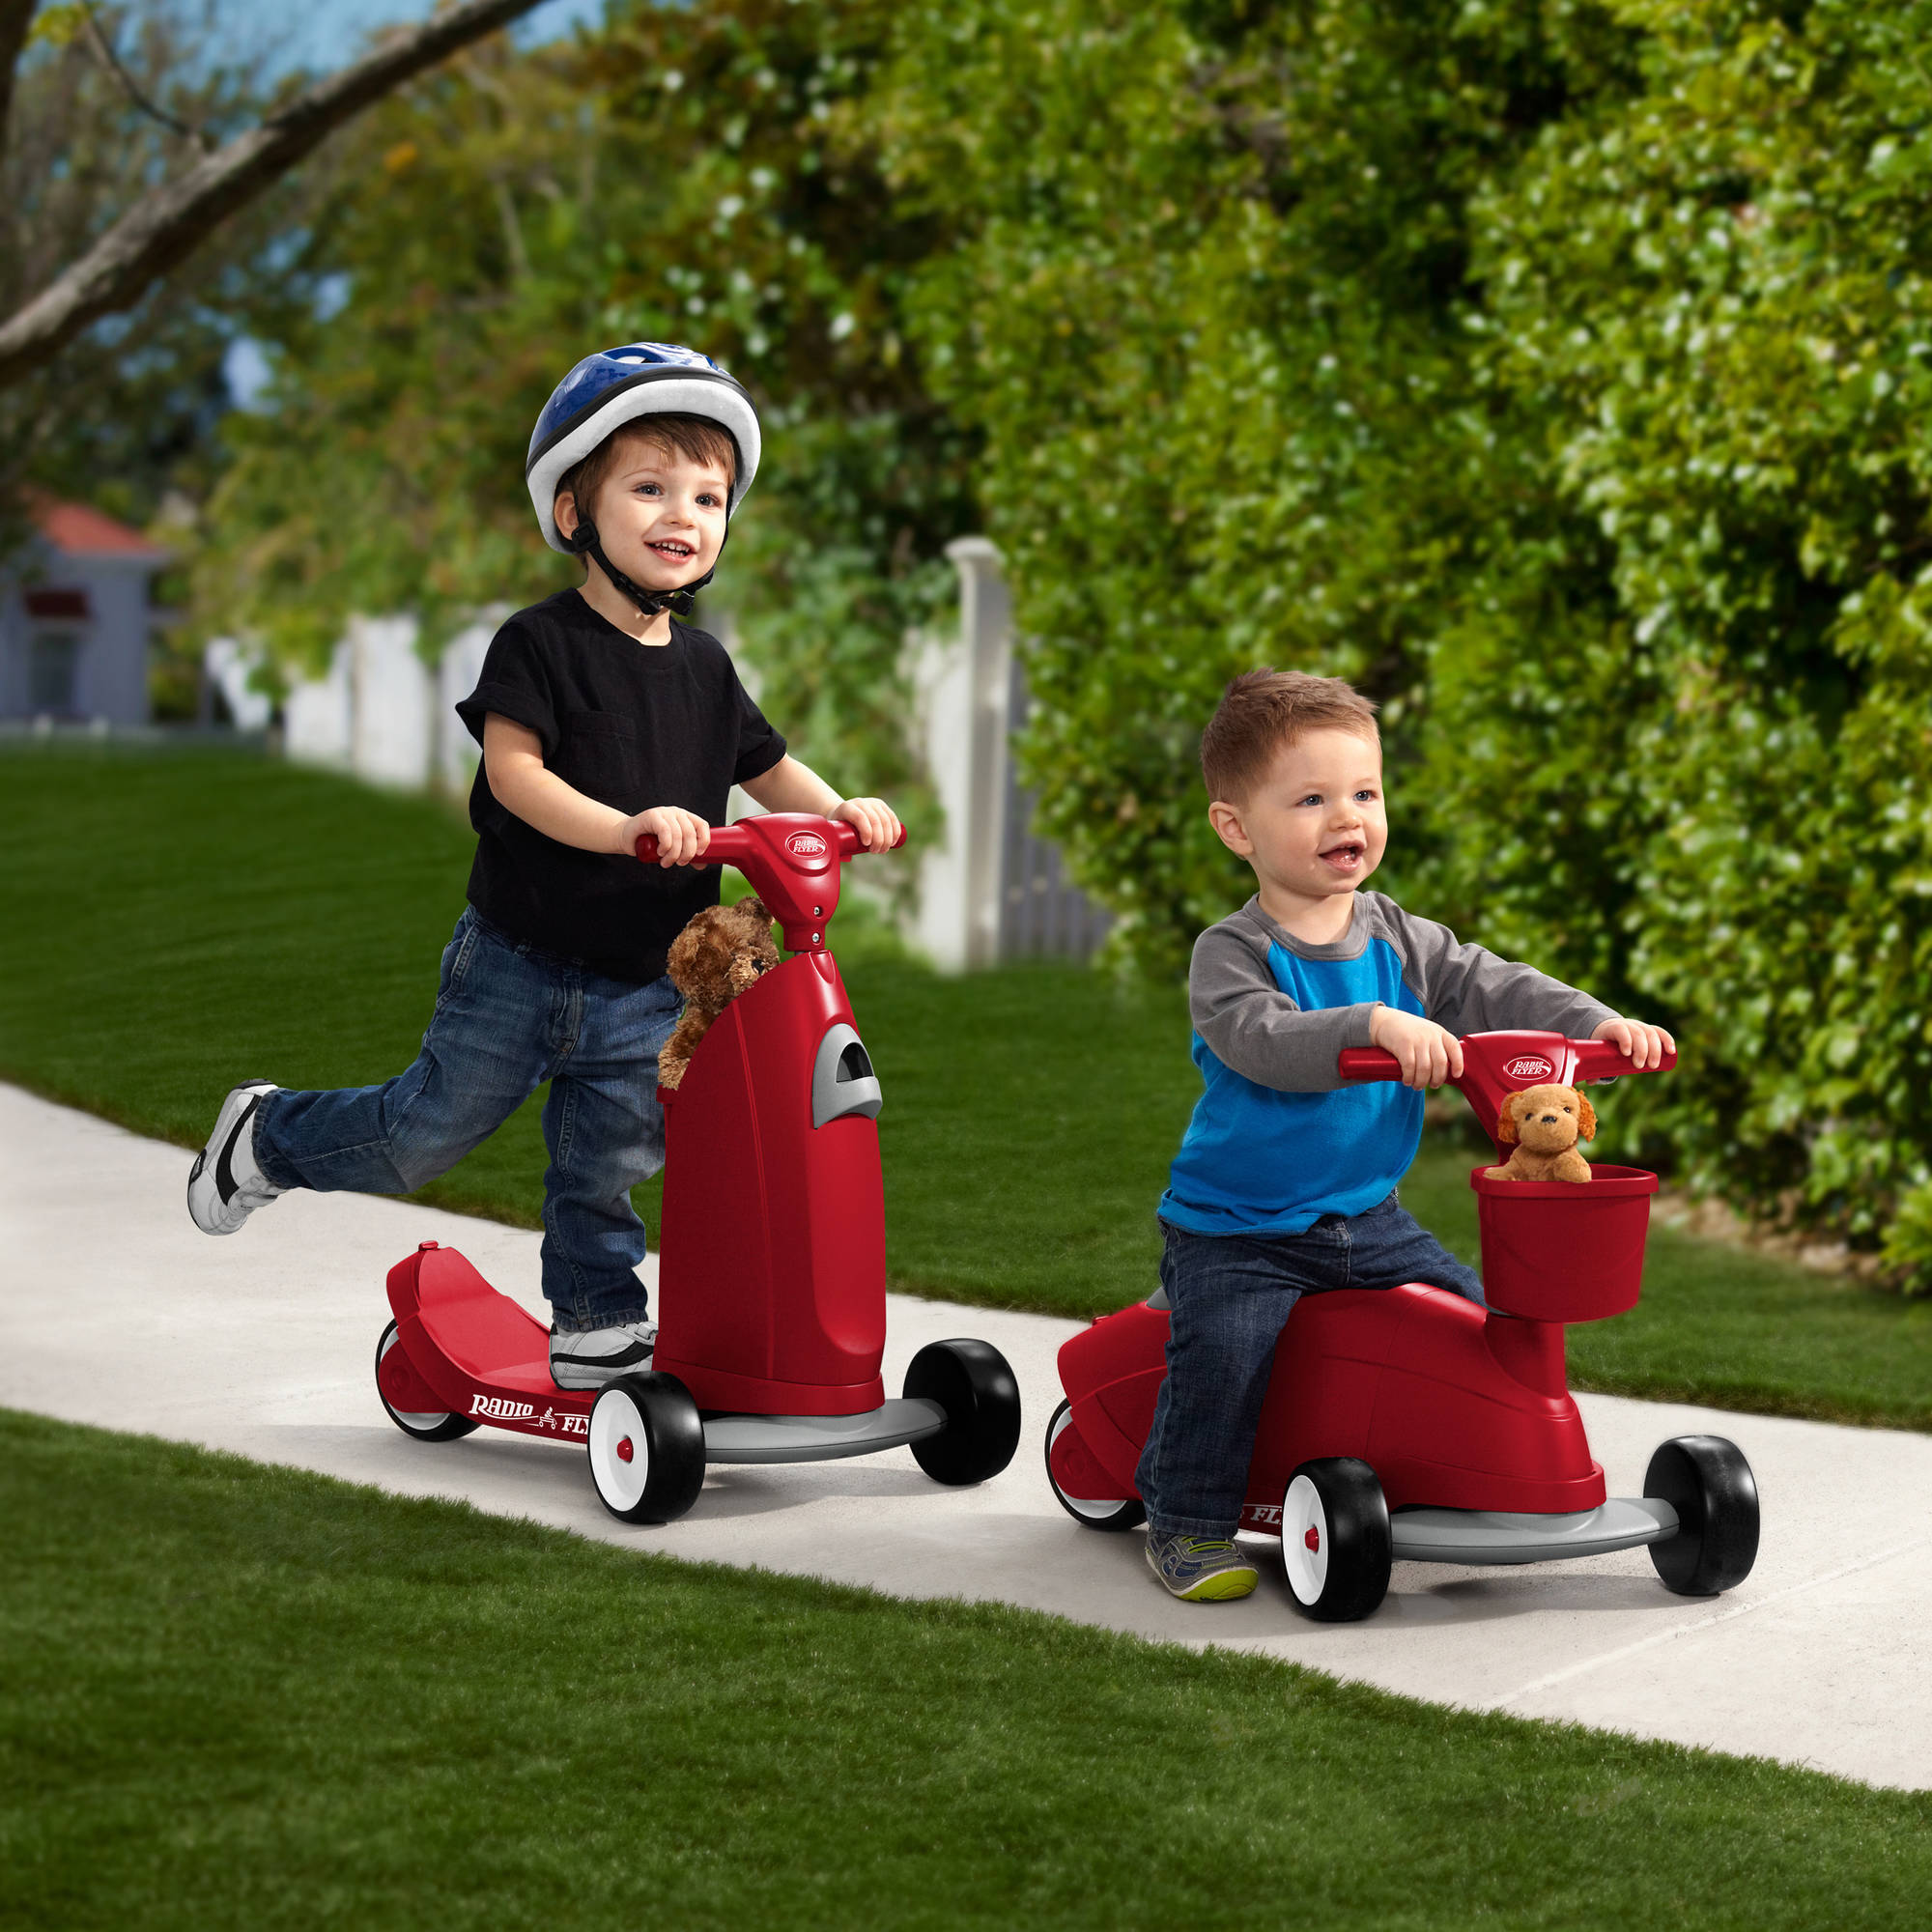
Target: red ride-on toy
(1408, 1423)
(772, 1269)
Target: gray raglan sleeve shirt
(1259, 1030)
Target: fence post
(962, 685)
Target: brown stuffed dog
(719, 953)
(1545, 1124)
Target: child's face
(660, 516)
(1316, 825)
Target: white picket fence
(988, 892)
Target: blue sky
(324, 33)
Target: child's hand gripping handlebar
(1496, 1065)
(792, 860)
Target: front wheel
(972, 1383)
(1077, 1466)
(1335, 1541)
(1707, 1481)
(646, 1448)
(423, 1425)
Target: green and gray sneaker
(1201, 1569)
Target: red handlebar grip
(850, 847)
(1605, 1060)
(1368, 1063)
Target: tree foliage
(1555, 369)
(131, 410)
(684, 175)
(1557, 372)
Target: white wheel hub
(1096, 1509)
(620, 1454)
(409, 1418)
(1304, 1541)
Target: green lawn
(175, 922)
(249, 1697)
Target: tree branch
(167, 224)
(104, 47)
(15, 17)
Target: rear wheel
(426, 1425)
(646, 1448)
(1707, 1481)
(1335, 1542)
(971, 1381)
(1095, 1512)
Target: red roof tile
(81, 532)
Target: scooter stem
(1497, 1064)
(792, 860)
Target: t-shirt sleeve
(759, 746)
(1250, 1025)
(516, 685)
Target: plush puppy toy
(719, 953)
(1545, 1124)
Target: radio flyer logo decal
(1530, 1067)
(806, 845)
(523, 1415)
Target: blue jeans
(1230, 1295)
(509, 1017)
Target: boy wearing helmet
(601, 717)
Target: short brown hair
(1261, 713)
(695, 438)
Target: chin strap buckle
(584, 541)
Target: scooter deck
(469, 1350)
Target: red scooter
(772, 1264)
(1408, 1423)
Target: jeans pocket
(456, 957)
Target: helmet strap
(584, 541)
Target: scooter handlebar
(728, 844)
(1594, 1060)
(793, 859)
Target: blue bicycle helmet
(604, 392)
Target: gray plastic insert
(842, 1080)
(1498, 1536)
(820, 1438)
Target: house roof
(79, 531)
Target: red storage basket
(1564, 1251)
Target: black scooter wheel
(1707, 1481)
(430, 1426)
(1335, 1542)
(646, 1448)
(1090, 1512)
(971, 1381)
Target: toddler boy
(601, 717)
(1285, 1182)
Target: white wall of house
(91, 665)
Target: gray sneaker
(594, 1356)
(1201, 1569)
(224, 1186)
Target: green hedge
(1556, 372)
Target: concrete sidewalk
(115, 1311)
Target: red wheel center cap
(1311, 1541)
(625, 1452)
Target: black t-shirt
(632, 725)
